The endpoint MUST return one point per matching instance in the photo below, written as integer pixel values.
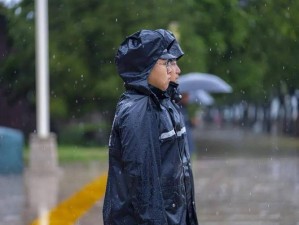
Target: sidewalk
(72, 177)
(11, 199)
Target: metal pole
(42, 175)
(42, 68)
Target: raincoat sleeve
(141, 158)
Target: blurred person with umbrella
(193, 86)
(149, 181)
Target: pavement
(241, 178)
(11, 199)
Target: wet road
(244, 178)
(241, 178)
(247, 191)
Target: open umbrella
(203, 81)
(201, 97)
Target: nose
(178, 70)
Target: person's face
(175, 70)
(160, 75)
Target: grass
(77, 154)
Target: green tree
(251, 44)
(277, 25)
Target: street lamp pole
(42, 68)
(42, 174)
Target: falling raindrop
(30, 15)
(18, 11)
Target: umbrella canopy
(201, 97)
(203, 81)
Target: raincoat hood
(139, 52)
(176, 50)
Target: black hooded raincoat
(149, 180)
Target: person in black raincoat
(148, 180)
(171, 103)
(178, 100)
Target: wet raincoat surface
(149, 180)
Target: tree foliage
(252, 44)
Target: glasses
(172, 62)
(168, 63)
